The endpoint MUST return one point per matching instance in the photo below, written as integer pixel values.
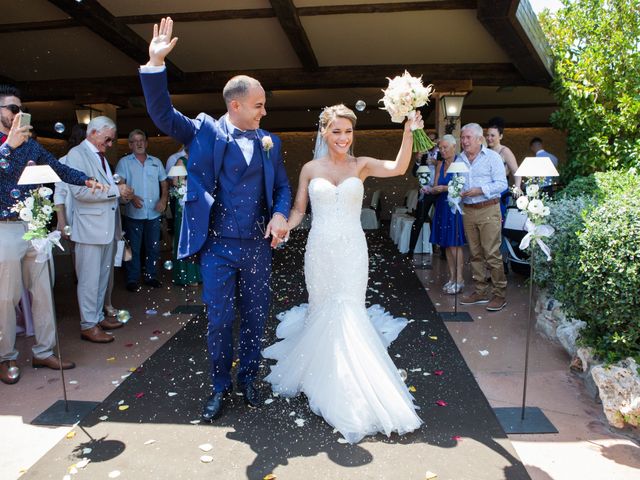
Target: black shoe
(133, 287)
(213, 407)
(252, 396)
(153, 282)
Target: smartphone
(25, 119)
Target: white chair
(411, 199)
(368, 219)
(395, 228)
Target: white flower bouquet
(454, 188)
(401, 99)
(532, 203)
(37, 210)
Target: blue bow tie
(249, 134)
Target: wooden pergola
(65, 54)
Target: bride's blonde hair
(329, 114)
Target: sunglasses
(12, 108)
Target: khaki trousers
(483, 230)
(18, 268)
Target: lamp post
(61, 412)
(452, 107)
(456, 168)
(528, 419)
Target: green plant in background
(602, 185)
(596, 52)
(602, 284)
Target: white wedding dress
(335, 349)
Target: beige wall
(298, 149)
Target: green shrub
(602, 185)
(598, 280)
(567, 218)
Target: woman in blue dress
(444, 231)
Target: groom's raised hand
(161, 43)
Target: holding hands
(161, 44)
(278, 228)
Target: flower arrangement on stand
(532, 203)
(401, 99)
(36, 210)
(454, 188)
(179, 191)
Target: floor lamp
(528, 419)
(62, 412)
(456, 168)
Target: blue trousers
(236, 275)
(139, 231)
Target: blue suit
(227, 206)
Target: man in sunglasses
(17, 256)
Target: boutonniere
(267, 144)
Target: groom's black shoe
(213, 408)
(252, 396)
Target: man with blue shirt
(482, 218)
(143, 214)
(538, 150)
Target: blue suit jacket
(207, 140)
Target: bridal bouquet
(37, 210)
(533, 205)
(454, 188)
(401, 99)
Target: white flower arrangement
(532, 203)
(454, 189)
(179, 191)
(37, 210)
(267, 144)
(424, 178)
(401, 99)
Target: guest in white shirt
(482, 219)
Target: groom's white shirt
(245, 145)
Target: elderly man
(143, 215)
(94, 228)
(17, 256)
(482, 219)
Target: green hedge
(595, 271)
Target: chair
(370, 216)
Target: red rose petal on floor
(438, 372)
(441, 403)
(140, 395)
(157, 332)
(457, 438)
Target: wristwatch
(5, 150)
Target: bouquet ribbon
(454, 203)
(537, 232)
(44, 245)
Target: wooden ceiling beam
(99, 20)
(445, 77)
(289, 20)
(34, 26)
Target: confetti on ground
(114, 474)
(172, 394)
(122, 408)
(73, 382)
(464, 340)
(128, 344)
(103, 418)
(83, 463)
(150, 442)
(484, 353)
(87, 450)
(139, 394)
(430, 475)
(457, 438)
(268, 401)
(153, 339)
(412, 389)
(194, 422)
(300, 422)
(205, 447)
(157, 332)
(71, 434)
(415, 370)
(151, 311)
(433, 337)
(441, 403)
(270, 476)
(438, 372)
(206, 459)
(111, 359)
(342, 440)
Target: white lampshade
(537, 167)
(457, 167)
(177, 171)
(36, 174)
(423, 169)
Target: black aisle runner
(147, 428)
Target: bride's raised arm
(302, 197)
(388, 168)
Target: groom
(238, 195)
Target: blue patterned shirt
(487, 173)
(12, 166)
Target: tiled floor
(584, 449)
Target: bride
(334, 349)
